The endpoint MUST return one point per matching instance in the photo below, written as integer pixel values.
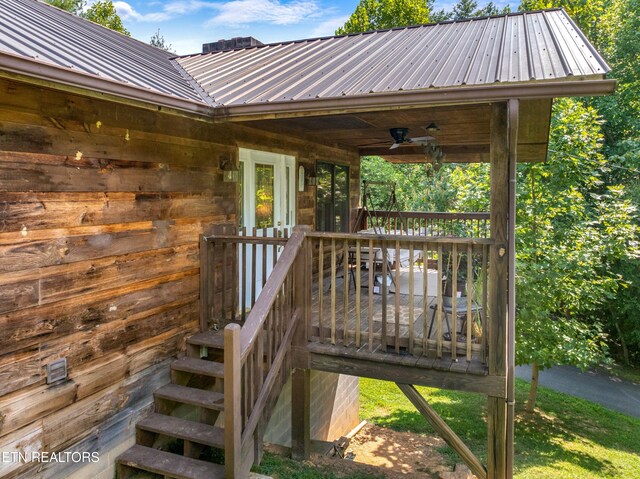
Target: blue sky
(187, 24)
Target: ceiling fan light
(431, 127)
(399, 135)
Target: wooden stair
(180, 438)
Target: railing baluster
(358, 291)
(333, 291)
(384, 289)
(425, 300)
(454, 302)
(370, 305)
(411, 311)
(345, 267)
(264, 259)
(254, 268)
(484, 315)
(469, 299)
(397, 298)
(321, 289)
(243, 285)
(439, 306)
(224, 281)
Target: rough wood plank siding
(101, 208)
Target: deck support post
(504, 128)
(300, 414)
(301, 378)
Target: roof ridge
(370, 32)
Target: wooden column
(301, 378)
(498, 272)
(232, 398)
(514, 121)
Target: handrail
(402, 238)
(431, 215)
(258, 315)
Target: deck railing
(426, 296)
(258, 361)
(235, 264)
(466, 225)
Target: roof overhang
(417, 99)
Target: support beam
(444, 430)
(498, 269)
(514, 123)
(300, 414)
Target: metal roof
(522, 47)
(54, 37)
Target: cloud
(127, 12)
(328, 27)
(232, 12)
(239, 12)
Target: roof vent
(234, 43)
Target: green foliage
(158, 41)
(380, 14)
(73, 6)
(565, 438)
(104, 13)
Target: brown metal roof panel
(579, 56)
(346, 64)
(483, 69)
(456, 66)
(34, 30)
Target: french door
(267, 202)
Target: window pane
(324, 197)
(264, 196)
(341, 198)
(287, 195)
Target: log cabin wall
(101, 208)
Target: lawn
(565, 438)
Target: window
(332, 197)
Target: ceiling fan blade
(420, 139)
(394, 146)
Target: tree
(73, 6)
(104, 13)
(158, 41)
(380, 14)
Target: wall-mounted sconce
(230, 172)
(312, 179)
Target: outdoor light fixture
(230, 172)
(432, 127)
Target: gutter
(414, 99)
(52, 75)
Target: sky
(187, 24)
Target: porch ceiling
(463, 135)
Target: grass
(565, 438)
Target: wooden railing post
(204, 283)
(232, 401)
(300, 378)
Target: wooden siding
(101, 208)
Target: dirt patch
(383, 452)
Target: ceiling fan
(400, 136)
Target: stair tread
(211, 339)
(183, 429)
(187, 395)
(199, 366)
(170, 465)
